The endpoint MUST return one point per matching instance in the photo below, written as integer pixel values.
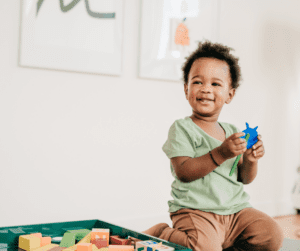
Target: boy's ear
(230, 96)
(186, 89)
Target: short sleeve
(179, 142)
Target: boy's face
(208, 87)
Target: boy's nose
(206, 89)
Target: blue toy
(251, 138)
(253, 135)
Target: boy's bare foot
(156, 230)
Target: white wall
(79, 146)
(266, 36)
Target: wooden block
(100, 233)
(100, 243)
(68, 240)
(46, 247)
(104, 249)
(94, 247)
(58, 248)
(72, 248)
(133, 240)
(37, 235)
(152, 246)
(121, 248)
(117, 240)
(29, 242)
(84, 247)
(45, 241)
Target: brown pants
(248, 229)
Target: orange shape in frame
(182, 35)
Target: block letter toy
(152, 245)
(84, 247)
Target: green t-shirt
(216, 192)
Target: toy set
(97, 239)
(151, 246)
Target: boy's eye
(197, 82)
(215, 84)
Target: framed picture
(72, 35)
(170, 31)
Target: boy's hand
(256, 152)
(233, 146)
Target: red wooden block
(99, 242)
(119, 241)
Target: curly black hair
(208, 49)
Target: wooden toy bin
(9, 236)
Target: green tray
(9, 236)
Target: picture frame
(170, 30)
(72, 35)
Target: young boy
(210, 210)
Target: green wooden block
(68, 240)
(80, 233)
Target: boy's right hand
(233, 146)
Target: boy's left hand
(254, 153)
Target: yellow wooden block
(46, 247)
(103, 249)
(29, 242)
(86, 239)
(94, 248)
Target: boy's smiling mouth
(204, 99)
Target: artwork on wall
(170, 31)
(72, 35)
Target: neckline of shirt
(207, 133)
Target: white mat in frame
(72, 35)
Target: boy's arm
(189, 169)
(247, 171)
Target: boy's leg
(197, 230)
(251, 229)
(156, 230)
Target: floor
(290, 225)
